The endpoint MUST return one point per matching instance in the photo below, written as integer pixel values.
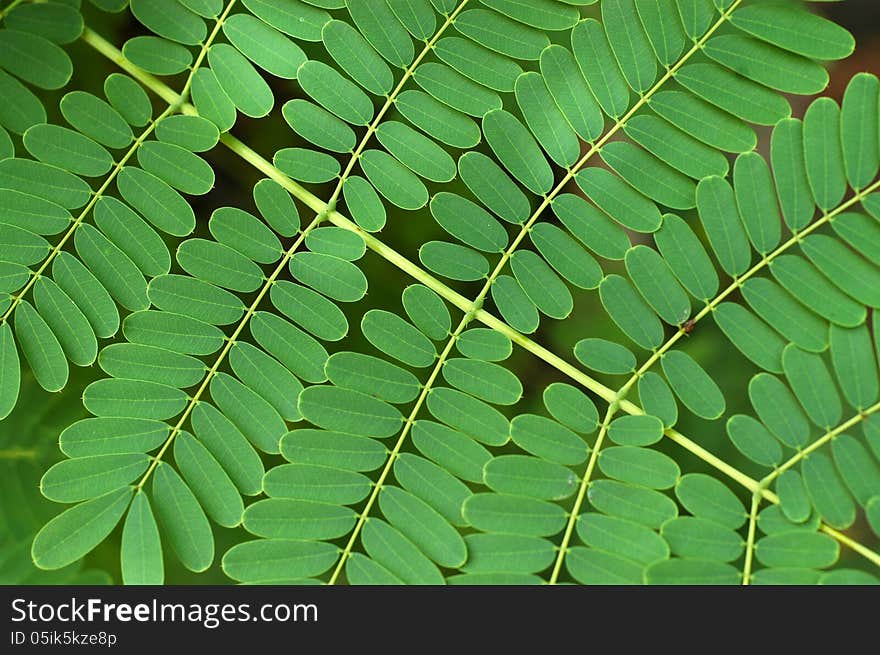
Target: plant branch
(750, 540)
(581, 495)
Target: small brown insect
(688, 327)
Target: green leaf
(316, 483)
(299, 20)
(514, 305)
(778, 410)
(599, 66)
(542, 286)
(859, 129)
(398, 555)
(24, 109)
(640, 466)
(501, 34)
(701, 539)
(67, 149)
(211, 100)
(473, 417)
(269, 560)
(156, 201)
(793, 496)
(521, 475)
(785, 576)
(129, 99)
(547, 439)
(40, 348)
(691, 572)
(493, 187)
(630, 540)
(357, 57)
(57, 22)
(675, 147)
(219, 264)
(131, 234)
(427, 311)
(854, 363)
(141, 550)
(596, 567)
(861, 232)
(734, 94)
(229, 447)
(754, 441)
(318, 126)
(645, 506)
(307, 165)
(517, 150)
(397, 338)
(823, 153)
(805, 282)
(32, 213)
(630, 312)
(263, 45)
(157, 56)
(383, 30)
(630, 44)
(78, 530)
(254, 417)
(812, 384)
(717, 207)
(454, 261)
(349, 411)
(424, 526)
(686, 257)
(484, 344)
(455, 90)
(468, 222)
(750, 335)
(571, 407)
(133, 399)
(432, 484)
(797, 549)
(416, 151)
(336, 241)
(171, 20)
(855, 465)
(757, 202)
(619, 200)
(566, 256)
(636, 430)
(207, 479)
(657, 284)
(830, 497)
(193, 133)
(437, 119)
(112, 436)
(246, 234)
(796, 30)
(44, 181)
(173, 332)
(182, 520)
(709, 498)
(10, 372)
(82, 478)
(284, 518)
(453, 450)
(704, 121)
(847, 270)
(692, 385)
(785, 314)
(545, 120)
(335, 93)
(605, 356)
(657, 399)
(196, 298)
(277, 207)
(177, 166)
(361, 570)
(34, 59)
(334, 277)
(488, 553)
(364, 204)
(66, 322)
(513, 515)
(112, 267)
(372, 376)
(243, 85)
(570, 91)
(334, 449)
(393, 180)
(485, 380)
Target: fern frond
(421, 453)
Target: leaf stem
(750, 540)
(581, 495)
